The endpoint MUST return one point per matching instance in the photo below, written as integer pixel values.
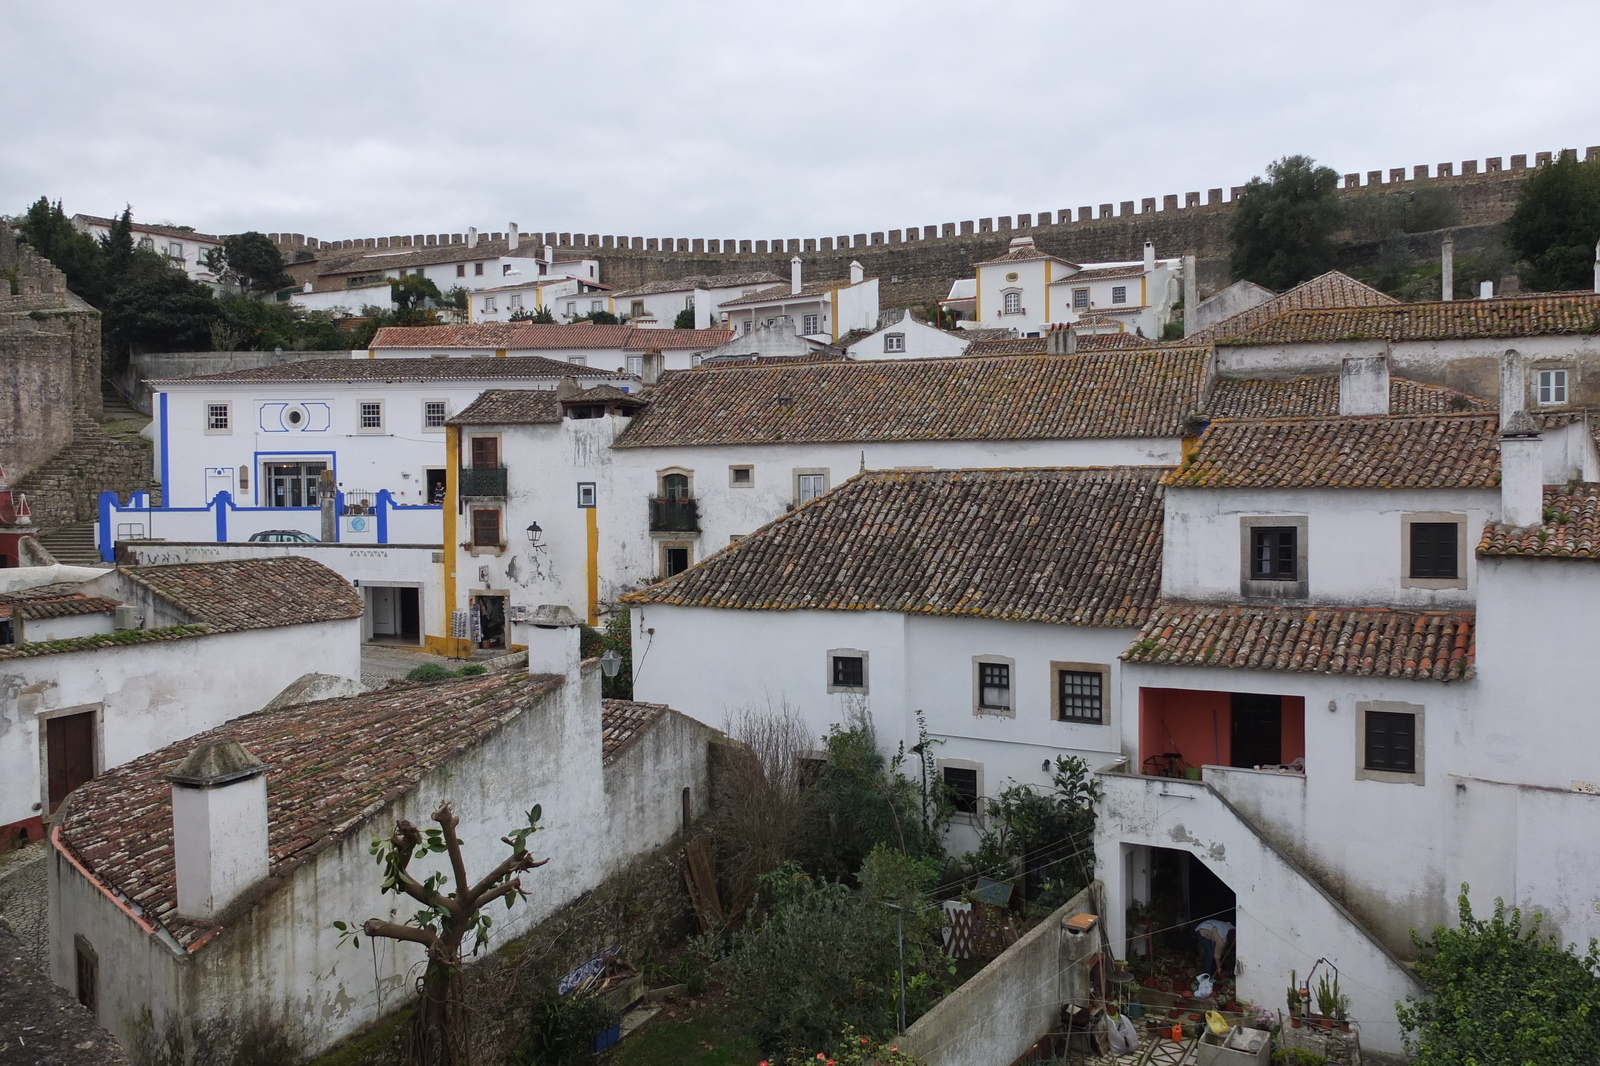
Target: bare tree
(439, 1035)
(759, 808)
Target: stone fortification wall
(49, 358)
(133, 381)
(916, 263)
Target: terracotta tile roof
(97, 641)
(1282, 398)
(1087, 342)
(1332, 289)
(59, 606)
(1105, 273)
(825, 354)
(526, 336)
(510, 407)
(1077, 547)
(1571, 529)
(988, 333)
(1376, 451)
(486, 368)
(239, 594)
(782, 293)
(1023, 254)
(331, 766)
(161, 231)
(366, 260)
(1360, 641)
(702, 281)
(624, 721)
(584, 285)
(1135, 393)
(1539, 314)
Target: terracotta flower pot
(1344, 1027)
(1294, 1021)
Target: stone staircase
(66, 489)
(73, 544)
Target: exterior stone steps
(66, 489)
(73, 544)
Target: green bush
(561, 1029)
(1046, 835)
(1556, 224)
(860, 800)
(430, 672)
(472, 670)
(1282, 227)
(1499, 994)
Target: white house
(566, 298)
(821, 310)
(657, 304)
(909, 339)
(1028, 290)
(599, 347)
(183, 247)
(626, 489)
(200, 883)
(101, 671)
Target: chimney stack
(219, 826)
(652, 366)
(702, 309)
(1149, 256)
(1521, 449)
(1447, 269)
(472, 236)
(553, 641)
(1597, 266)
(1485, 290)
(856, 272)
(1061, 340)
(512, 240)
(1364, 385)
(1191, 293)
(794, 276)
(549, 255)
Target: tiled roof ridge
(277, 568)
(1569, 529)
(968, 360)
(1521, 314)
(1417, 416)
(95, 641)
(401, 369)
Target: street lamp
(535, 534)
(610, 662)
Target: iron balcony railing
(483, 481)
(672, 515)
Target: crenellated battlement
(1477, 210)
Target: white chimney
(1597, 266)
(651, 366)
(1149, 256)
(472, 236)
(856, 272)
(702, 309)
(549, 255)
(219, 826)
(553, 641)
(1521, 472)
(1485, 290)
(1061, 340)
(794, 276)
(1364, 385)
(1191, 294)
(512, 239)
(1447, 269)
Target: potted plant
(1328, 998)
(1294, 1000)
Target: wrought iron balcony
(483, 481)
(674, 515)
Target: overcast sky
(753, 120)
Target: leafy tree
(411, 291)
(1282, 228)
(455, 298)
(860, 800)
(441, 1028)
(1556, 224)
(685, 319)
(51, 233)
(155, 307)
(1500, 994)
(542, 316)
(1047, 835)
(249, 260)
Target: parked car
(282, 536)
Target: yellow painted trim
(499, 353)
(592, 522)
(611, 305)
(1047, 292)
(452, 500)
(1144, 291)
(372, 353)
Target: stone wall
(49, 359)
(134, 379)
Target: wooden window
(675, 486)
(477, 269)
(371, 417)
(1081, 695)
(1119, 294)
(1274, 553)
(741, 477)
(961, 785)
(486, 527)
(1433, 550)
(1391, 742)
(87, 964)
(849, 671)
(485, 452)
(461, 270)
(994, 686)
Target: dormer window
(894, 342)
(1013, 303)
(1552, 387)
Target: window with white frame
(636, 308)
(1119, 294)
(596, 305)
(371, 416)
(572, 307)
(636, 364)
(1552, 387)
(894, 342)
(219, 418)
(175, 251)
(578, 360)
(514, 302)
(810, 324)
(434, 412)
(809, 484)
(1080, 299)
(488, 305)
(1013, 303)
(749, 324)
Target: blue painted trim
(108, 500)
(384, 502)
(338, 513)
(222, 501)
(166, 479)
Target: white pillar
(794, 276)
(1447, 269)
(857, 272)
(702, 309)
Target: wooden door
(69, 747)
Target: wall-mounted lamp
(535, 534)
(1045, 766)
(1333, 705)
(610, 662)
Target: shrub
(472, 670)
(561, 1029)
(1049, 836)
(430, 672)
(860, 800)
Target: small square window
(810, 324)
(477, 269)
(217, 420)
(849, 671)
(808, 486)
(636, 309)
(505, 269)
(741, 477)
(486, 527)
(994, 686)
(1119, 294)
(578, 360)
(894, 342)
(674, 559)
(1080, 299)
(635, 365)
(596, 305)
(961, 785)
(1552, 387)
(1391, 742)
(1433, 550)
(1274, 553)
(586, 493)
(371, 416)
(488, 305)
(461, 270)
(514, 302)
(1081, 695)
(434, 412)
